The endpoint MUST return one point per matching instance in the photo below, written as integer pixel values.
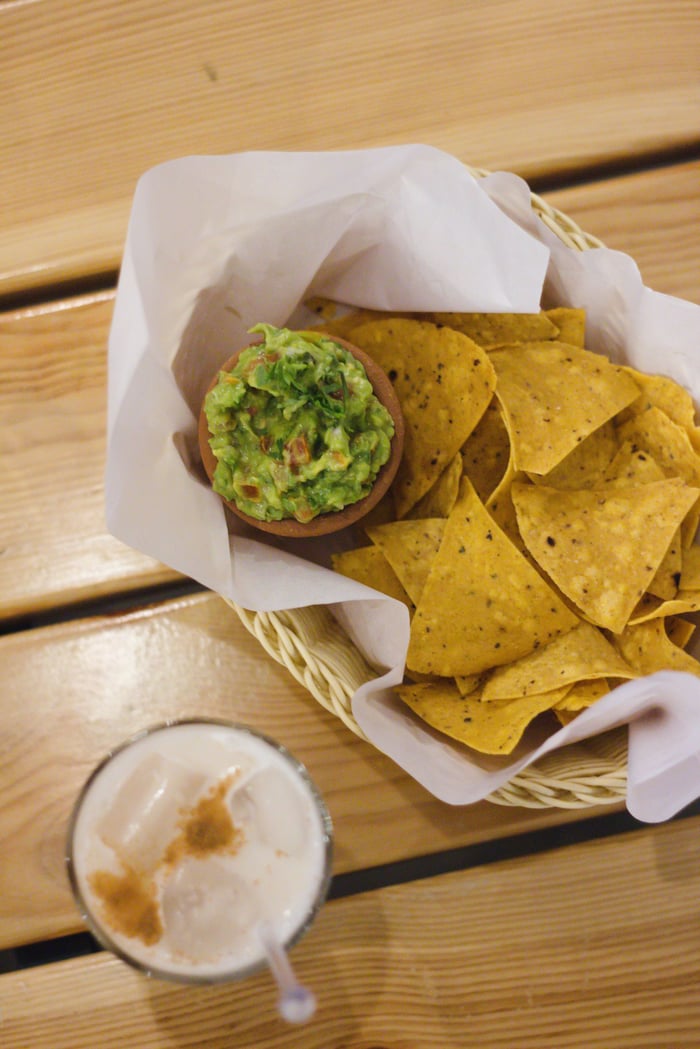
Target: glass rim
(102, 935)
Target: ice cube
(271, 809)
(207, 909)
(142, 817)
(216, 757)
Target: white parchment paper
(216, 244)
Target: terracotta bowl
(338, 519)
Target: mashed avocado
(297, 430)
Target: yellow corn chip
(491, 728)
(333, 322)
(583, 694)
(653, 608)
(486, 451)
(444, 382)
(647, 648)
(469, 683)
(571, 323)
(565, 717)
(553, 396)
(368, 565)
(602, 546)
(441, 498)
(583, 654)
(585, 466)
(690, 569)
(669, 444)
(498, 329)
(483, 604)
(632, 466)
(410, 547)
(500, 507)
(679, 631)
(658, 391)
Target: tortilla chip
(585, 466)
(490, 728)
(583, 694)
(368, 565)
(499, 329)
(441, 498)
(653, 608)
(565, 717)
(668, 574)
(571, 323)
(602, 546)
(486, 451)
(444, 382)
(483, 604)
(658, 391)
(324, 308)
(679, 631)
(414, 676)
(553, 396)
(500, 507)
(467, 684)
(647, 648)
(690, 569)
(669, 444)
(583, 654)
(333, 322)
(632, 465)
(410, 547)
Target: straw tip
(297, 1005)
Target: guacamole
(296, 428)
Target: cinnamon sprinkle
(129, 902)
(130, 899)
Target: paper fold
(216, 244)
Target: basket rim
(332, 676)
(321, 669)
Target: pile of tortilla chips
(540, 528)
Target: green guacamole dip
(297, 430)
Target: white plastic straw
(296, 1004)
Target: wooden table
(483, 926)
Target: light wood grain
(54, 548)
(94, 94)
(53, 545)
(589, 947)
(72, 692)
(653, 216)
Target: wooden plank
(56, 356)
(653, 216)
(52, 443)
(72, 692)
(589, 947)
(536, 88)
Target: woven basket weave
(320, 656)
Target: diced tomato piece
(298, 451)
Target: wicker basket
(310, 644)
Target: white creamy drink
(189, 839)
